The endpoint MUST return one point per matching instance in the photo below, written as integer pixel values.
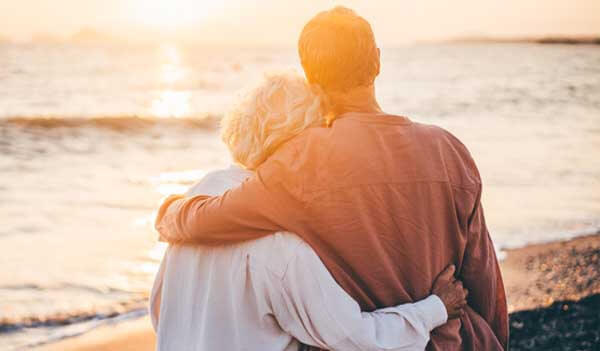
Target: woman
(274, 293)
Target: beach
(108, 107)
(553, 291)
(93, 136)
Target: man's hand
(164, 206)
(451, 292)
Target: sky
(278, 22)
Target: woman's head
(280, 107)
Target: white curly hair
(280, 107)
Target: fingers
(447, 274)
(460, 292)
(459, 309)
(457, 285)
(465, 293)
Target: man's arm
(481, 274)
(263, 204)
(312, 307)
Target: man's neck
(361, 99)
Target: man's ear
(378, 61)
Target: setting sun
(167, 14)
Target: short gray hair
(277, 109)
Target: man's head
(338, 51)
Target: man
(385, 202)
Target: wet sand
(134, 335)
(553, 291)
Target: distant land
(83, 36)
(574, 40)
(93, 36)
(45, 38)
(89, 35)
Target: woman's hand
(451, 292)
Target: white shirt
(271, 294)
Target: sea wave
(71, 317)
(24, 338)
(23, 331)
(127, 302)
(113, 123)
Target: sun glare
(171, 101)
(167, 14)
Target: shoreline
(542, 40)
(539, 284)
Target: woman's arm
(312, 307)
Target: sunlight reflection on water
(187, 177)
(171, 102)
(168, 183)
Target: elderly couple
(341, 227)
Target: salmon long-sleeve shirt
(386, 203)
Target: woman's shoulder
(216, 182)
(274, 253)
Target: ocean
(93, 136)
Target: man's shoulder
(310, 137)
(457, 158)
(437, 133)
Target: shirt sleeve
(312, 307)
(487, 296)
(263, 204)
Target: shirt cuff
(434, 311)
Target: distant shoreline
(89, 36)
(552, 40)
